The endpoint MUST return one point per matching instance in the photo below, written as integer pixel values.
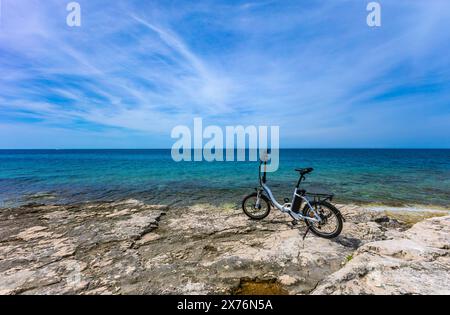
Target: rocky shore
(129, 247)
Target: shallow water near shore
(394, 178)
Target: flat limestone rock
(72, 249)
(129, 247)
(223, 250)
(418, 262)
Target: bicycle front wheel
(254, 209)
(332, 223)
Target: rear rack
(320, 197)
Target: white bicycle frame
(286, 208)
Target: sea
(383, 177)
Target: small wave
(40, 195)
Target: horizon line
(292, 148)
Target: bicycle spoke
(329, 224)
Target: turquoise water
(391, 177)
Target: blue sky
(136, 69)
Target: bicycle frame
(285, 208)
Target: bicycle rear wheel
(332, 223)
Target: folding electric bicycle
(320, 216)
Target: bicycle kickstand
(306, 233)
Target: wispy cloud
(135, 69)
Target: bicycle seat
(304, 171)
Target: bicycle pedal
(294, 222)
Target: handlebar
(263, 178)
